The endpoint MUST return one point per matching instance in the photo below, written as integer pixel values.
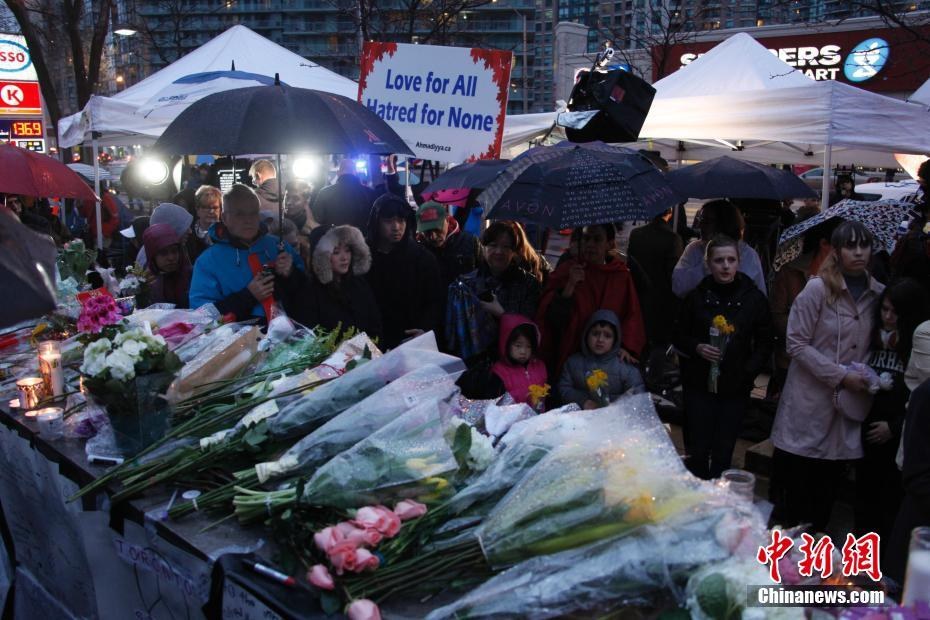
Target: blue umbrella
(725, 177)
(571, 185)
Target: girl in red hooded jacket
(169, 268)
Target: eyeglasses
(213, 208)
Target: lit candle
(50, 367)
(51, 422)
(917, 579)
(31, 391)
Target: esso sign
(14, 57)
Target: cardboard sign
(447, 103)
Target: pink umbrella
(33, 174)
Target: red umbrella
(33, 174)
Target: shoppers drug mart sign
(15, 60)
(447, 103)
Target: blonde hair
(205, 192)
(264, 166)
(831, 271)
(527, 255)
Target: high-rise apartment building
(327, 31)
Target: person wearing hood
(594, 280)
(345, 202)
(404, 275)
(714, 408)
(600, 346)
(265, 179)
(208, 203)
(336, 294)
(174, 216)
(169, 266)
(244, 268)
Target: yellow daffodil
(723, 326)
(538, 392)
(596, 380)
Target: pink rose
(358, 535)
(378, 518)
(343, 556)
(319, 576)
(327, 538)
(365, 559)
(363, 609)
(409, 509)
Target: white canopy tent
(115, 118)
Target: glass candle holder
(51, 422)
(31, 391)
(739, 482)
(50, 367)
(917, 578)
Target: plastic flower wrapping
(428, 383)
(410, 457)
(319, 406)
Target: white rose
(95, 357)
(122, 367)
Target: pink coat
(820, 338)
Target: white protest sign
(447, 103)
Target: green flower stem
(221, 496)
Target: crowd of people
(845, 343)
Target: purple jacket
(820, 338)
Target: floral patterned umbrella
(881, 217)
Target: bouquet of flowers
(720, 332)
(74, 260)
(98, 312)
(134, 284)
(597, 387)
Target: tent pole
(678, 152)
(280, 200)
(825, 187)
(97, 191)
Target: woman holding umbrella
(826, 395)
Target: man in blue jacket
(244, 268)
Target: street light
(125, 31)
(523, 17)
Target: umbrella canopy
(571, 185)
(88, 171)
(33, 174)
(725, 177)
(186, 90)
(27, 272)
(278, 119)
(881, 217)
(473, 175)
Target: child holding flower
(595, 377)
(725, 335)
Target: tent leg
(280, 200)
(675, 208)
(97, 214)
(825, 187)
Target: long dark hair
(911, 302)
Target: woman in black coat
(713, 416)
(335, 293)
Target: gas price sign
(25, 134)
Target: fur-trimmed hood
(322, 250)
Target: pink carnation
(327, 538)
(363, 609)
(319, 576)
(357, 535)
(409, 509)
(378, 518)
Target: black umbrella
(725, 177)
(571, 185)
(27, 272)
(473, 175)
(279, 119)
